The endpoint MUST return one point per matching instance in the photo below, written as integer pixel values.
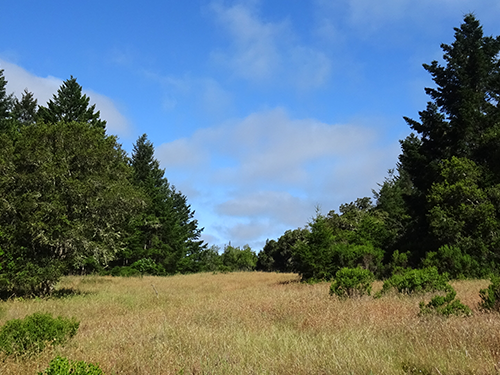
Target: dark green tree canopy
(25, 110)
(6, 102)
(71, 105)
(463, 118)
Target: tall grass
(257, 323)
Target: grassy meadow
(257, 323)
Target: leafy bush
(445, 305)
(490, 297)
(125, 271)
(33, 333)
(418, 281)
(149, 267)
(352, 282)
(452, 259)
(63, 366)
(236, 259)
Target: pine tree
(71, 105)
(25, 110)
(66, 199)
(166, 230)
(460, 127)
(463, 118)
(5, 103)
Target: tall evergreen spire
(71, 105)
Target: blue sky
(260, 111)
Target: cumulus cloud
(267, 172)
(19, 79)
(267, 51)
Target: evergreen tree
(166, 230)
(71, 105)
(461, 121)
(25, 110)
(463, 118)
(66, 198)
(5, 103)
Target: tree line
(73, 202)
(440, 205)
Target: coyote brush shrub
(33, 333)
(490, 297)
(352, 282)
(63, 366)
(445, 305)
(418, 281)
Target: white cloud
(266, 173)
(267, 52)
(19, 79)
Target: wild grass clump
(64, 366)
(352, 282)
(33, 333)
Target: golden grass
(257, 323)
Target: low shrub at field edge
(352, 282)
(33, 333)
(445, 305)
(417, 281)
(63, 366)
(490, 297)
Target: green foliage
(71, 105)
(63, 366)
(33, 333)
(148, 266)
(165, 231)
(278, 255)
(352, 282)
(452, 164)
(322, 253)
(463, 216)
(67, 197)
(417, 281)
(24, 111)
(125, 271)
(490, 297)
(236, 259)
(445, 305)
(454, 261)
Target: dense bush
(148, 266)
(236, 259)
(63, 366)
(445, 305)
(33, 333)
(490, 297)
(418, 281)
(352, 282)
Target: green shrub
(33, 333)
(125, 271)
(490, 297)
(445, 305)
(352, 282)
(63, 366)
(418, 281)
(148, 266)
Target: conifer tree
(5, 103)
(166, 230)
(25, 110)
(71, 105)
(460, 127)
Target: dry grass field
(257, 323)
